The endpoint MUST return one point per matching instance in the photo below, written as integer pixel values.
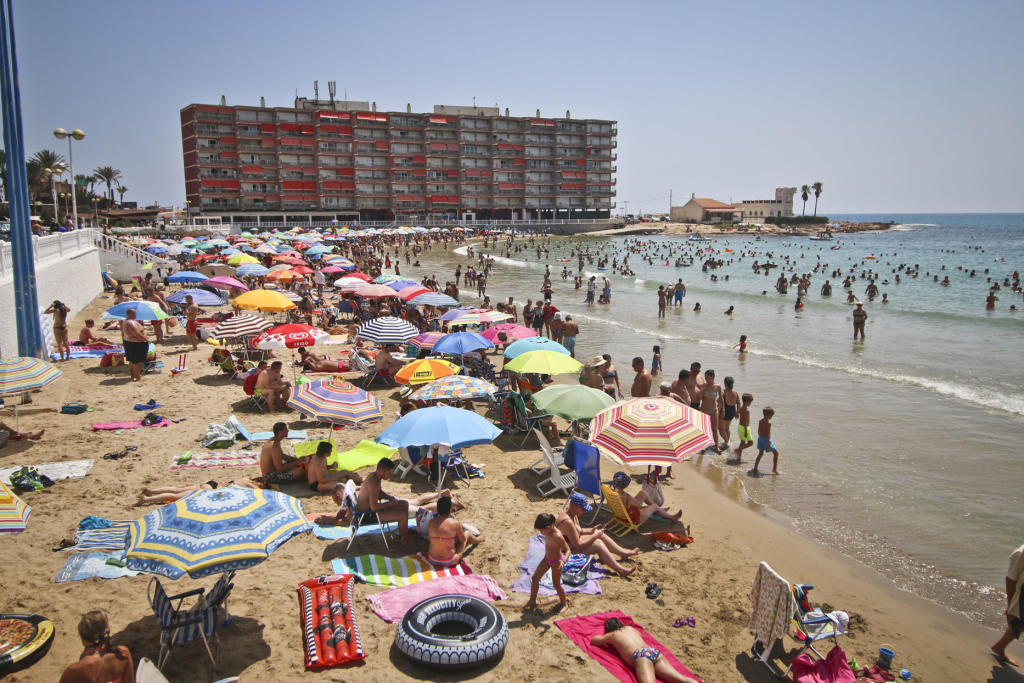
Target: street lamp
(53, 173)
(188, 214)
(95, 213)
(77, 134)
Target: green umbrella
(572, 401)
(543, 363)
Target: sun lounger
(555, 481)
(621, 523)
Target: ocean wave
(906, 227)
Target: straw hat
(595, 361)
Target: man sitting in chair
(640, 507)
(588, 540)
(274, 388)
(371, 498)
(385, 362)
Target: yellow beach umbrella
(263, 300)
(239, 259)
(543, 363)
(425, 370)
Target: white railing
(50, 247)
(116, 246)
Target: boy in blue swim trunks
(764, 441)
(647, 661)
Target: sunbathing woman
(312, 362)
(169, 494)
(640, 507)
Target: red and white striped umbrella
(654, 430)
(291, 336)
(241, 326)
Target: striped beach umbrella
(290, 336)
(214, 531)
(374, 291)
(336, 401)
(411, 292)
(144, 311)
(512, 332)
(22, 374)
(454, 388)
(339, 261)
(244, 325)
(387, 330)
(14, 511)
(425, 340)
(425, 370)
(480, 315)
(654, 430)
(434, 299)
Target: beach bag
(29, 479)
(112, 359)
(151, 419)
(218, 436)
(73, 408)
(576, 569)
(654, 490)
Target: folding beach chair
(349, 499)
(523, 421)
(259, 401)
(586, 462)
(555, 481)
(369, 370)
(621, 523)
(541, 466)
(775, 601)
(409, 460)
(178, 625)
(451, 460)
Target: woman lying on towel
(647, 661)
(312, 362)
(169, 494)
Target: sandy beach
(709, 580)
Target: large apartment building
(346, 160)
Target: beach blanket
(365, 454)
(89, 565)
(127, 424)
(89, 352)
(381, 570)
(392, 604)
(298, 434)
(534, 556)
(69, 469)
(216, 459)
(334, 532)
(581, 629)
(111, 538)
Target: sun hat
(580, 500)
(595, 361)
(620, 480)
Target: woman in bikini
(448, 540)
(641, 506)
(729, 406)
(60, 328)
(710, 397)
(100, 661)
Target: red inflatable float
(329, 632)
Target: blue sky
(906, 106)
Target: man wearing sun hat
(591, 540)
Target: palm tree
(121, 189)
(108, 175)
(34, 167)
(805, 194)
(817, 193)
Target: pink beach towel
(581, 629)
(127, 424)
(833, 669)
(392, 604)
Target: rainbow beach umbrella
(336, 401)
(214, 531)
(14, 511)
(21, 374)
(454, 388)
(654, 430)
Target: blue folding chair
(585, 459)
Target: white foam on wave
(905, 227)
(461, 251)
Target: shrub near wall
(796, 220)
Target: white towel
(772, 607)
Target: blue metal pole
(26, 303)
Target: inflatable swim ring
(23, 639)
(418, 639)
(329, 633)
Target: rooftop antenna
(474, 101)
(346, 93)
(316, 91)
(332, 89)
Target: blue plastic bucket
(885, 656)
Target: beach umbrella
(21, 374)
(433, 299)
(187, 276)
(425, 370)
(144, 311)
(200, 297)
(455, 313)
(543, 363)
(654, 430)
(439, 424)
(286, 275)
(251, 270)
(241, 259)
(385, 278)
(244, 325)
(374, 291)
(459, 343)
(425, 340)
(411, 292)
(511, 330)
(157, 249)
(318, 249)
(303, 270)
(225, 282)
(454, 388)
(336, 401)
(572, 401)
(339, 261)
(330, 270)
(14, 512)
(480, 315)
(263, 300)
(290, 336)
(387, 330)
(398, 284)
(362, 276)
(214, 531)
(533, 344)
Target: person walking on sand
(743, 428)
(592, 540)
(554, 558)
(646, 661)
(764, 441)
(136, 344)
(1014, 607)
(191, 322)
(860, 316)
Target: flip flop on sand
(652, 591)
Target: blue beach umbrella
(214, 531)
(455, 313)
(157, 249)
(401, 284)
(144, 310)
(433, 299)
(200, 297)
(251, 270)
(439, 424)
(459, 343)
(534, 344)
(187, 276)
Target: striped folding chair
(179, 626)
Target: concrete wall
(67, 268)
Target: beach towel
(365, 454)
(127, 424)
(89, 352)
(297, 434)
(381, 570)
(581, 629)
(833, 669)
(112, 538)
(334, 532)
(392, 604)
(772, 607)
(534, 556)
(89, 565)
(215, 459)
(69, 469)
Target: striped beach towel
(217, 459)
(114, 537)
(381, 570)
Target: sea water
(902, 451)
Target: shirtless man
(642, 382)
(678, 292)
(680, 389)
(274, 388)
(647, 661)
(696, 385)
(512, 309)
(278, 468)
(321, 479)
(860, 316)
(312, 362)
(569, 332)
(191, 324)
(385, 361)
(371, 498)
(591, 539)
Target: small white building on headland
(756, 210)
(707, 210)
